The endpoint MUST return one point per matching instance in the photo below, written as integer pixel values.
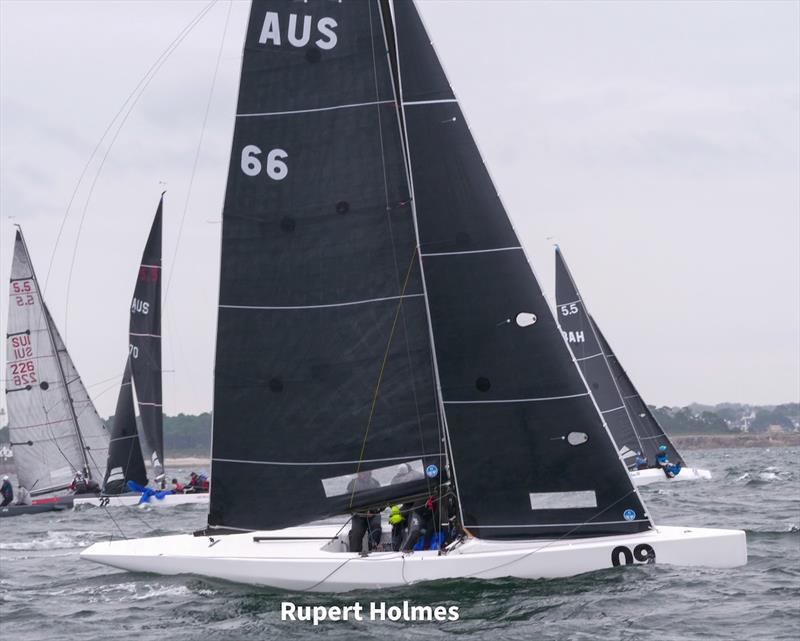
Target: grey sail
(47, 402)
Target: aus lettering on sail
(574, 337)
(271, 31)
(140, 306)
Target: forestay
(48, 405)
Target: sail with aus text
(632, 425)
(144, 349)
(54, 428)
(376, 307)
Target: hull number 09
(275, 167)
(642, 553)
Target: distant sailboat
(378, 316)
(54, 428)
(142, 374)
(633, 426)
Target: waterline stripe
(354, 302)
(318, 109)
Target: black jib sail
(325, 358)
(629, 420)
(323, 363)
(145, 345)
(125, 462)
(532, 457)
(649, 432)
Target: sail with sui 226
(376, 305)
(53, 424)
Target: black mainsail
(52, 421)
(630, 421)
(145, 345)
(352, 167)
(125, 462)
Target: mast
(73, 415)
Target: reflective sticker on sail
(626, 452)
(563, 500)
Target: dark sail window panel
(482, 353)
(468, 215)
(336, 228)
(303, 71)
(515, 450)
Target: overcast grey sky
(657, 142)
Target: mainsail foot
(285, 559)
(654, 475)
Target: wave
(55, 541)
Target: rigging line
(94, 153)
(380, 374)
(197, 151)
(160, 63)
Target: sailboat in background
(53, 425)
(377, 313)
(633, 426)
(142, 374)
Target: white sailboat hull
(320, 565)
(654, 475)
(170, 500)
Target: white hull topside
(320, 563)
(170, 500)
(656, 475)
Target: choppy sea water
(48, 593)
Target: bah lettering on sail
(374, 611)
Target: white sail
(93, 431)
(48, 446)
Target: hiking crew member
(6, 491)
